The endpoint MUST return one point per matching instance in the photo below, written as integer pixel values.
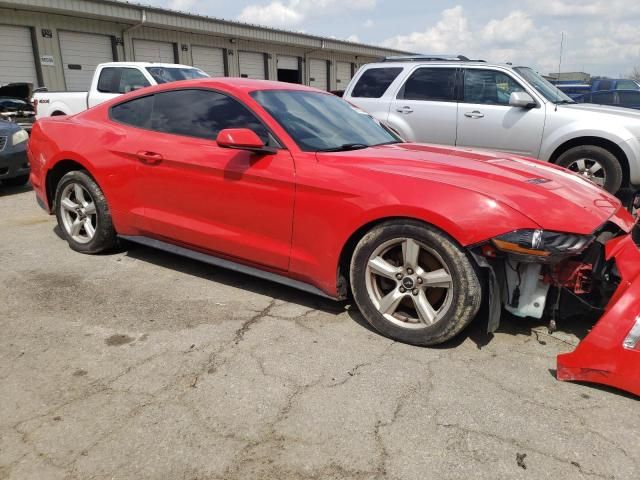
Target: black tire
(466, 287)
(16, 181)
(608, 161)
(105, 235)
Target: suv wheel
(595, 163)
(413, 283)
(83, 214)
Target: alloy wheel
(591, 169)
(78, 212)
(409, 283)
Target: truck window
(375, 81)
(136, 112)
(626, 85)
(489, 87)
(435, 84)
(121, 80)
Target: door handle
(474, 114)
(405, 109)
(150, 158)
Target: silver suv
(467, 103)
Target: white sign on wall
(47, 60)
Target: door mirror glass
(242, 139)
(522, 100)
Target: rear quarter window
(375, 81)
(136, 112)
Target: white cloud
(368, 23)
(513, 28)
(353, 38)
(450, 35)
(294, 12)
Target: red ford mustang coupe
(294, 185)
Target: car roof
(145, 64)
(457, 63)
(237, 84)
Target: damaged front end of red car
(610, 353)
(594, 277)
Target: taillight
(632, 342)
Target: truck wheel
(595, 163)
(83, 214)
(16, 181)
(413, 283)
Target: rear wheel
(413, 283)
(83, 214)
(594, 163)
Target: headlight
(541, 243)
(19, 137)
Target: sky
(601, 37)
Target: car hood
(17, 90)
(603, 109)
(552, 197)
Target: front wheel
(413, 283)
(594, 163)
(83, 214)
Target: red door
(231, 202)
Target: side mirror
(243, 139)
(522, 100)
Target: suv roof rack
(429, 58)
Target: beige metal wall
(53, 76)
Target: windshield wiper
(344, 147)
(558, 102)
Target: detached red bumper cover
(610, 353)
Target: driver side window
(489, 87)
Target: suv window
(489, 87)
(375, 81)
(202, 114)
(136, 112)
(436, 84)
(121, 80)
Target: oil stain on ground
(118, 339)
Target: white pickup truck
(110, 80)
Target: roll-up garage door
(343, 74)
(16, 55)
(208, 59)
(288, 69)
(151, 51)
(318, 73)
(81, 54)
(251, 65)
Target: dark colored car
(14, 166)
(616, 98)
(16, 106)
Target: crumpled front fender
(607, 355)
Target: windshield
(322, 122)
(544, 88)
(172, 74)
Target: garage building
(58, 43)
